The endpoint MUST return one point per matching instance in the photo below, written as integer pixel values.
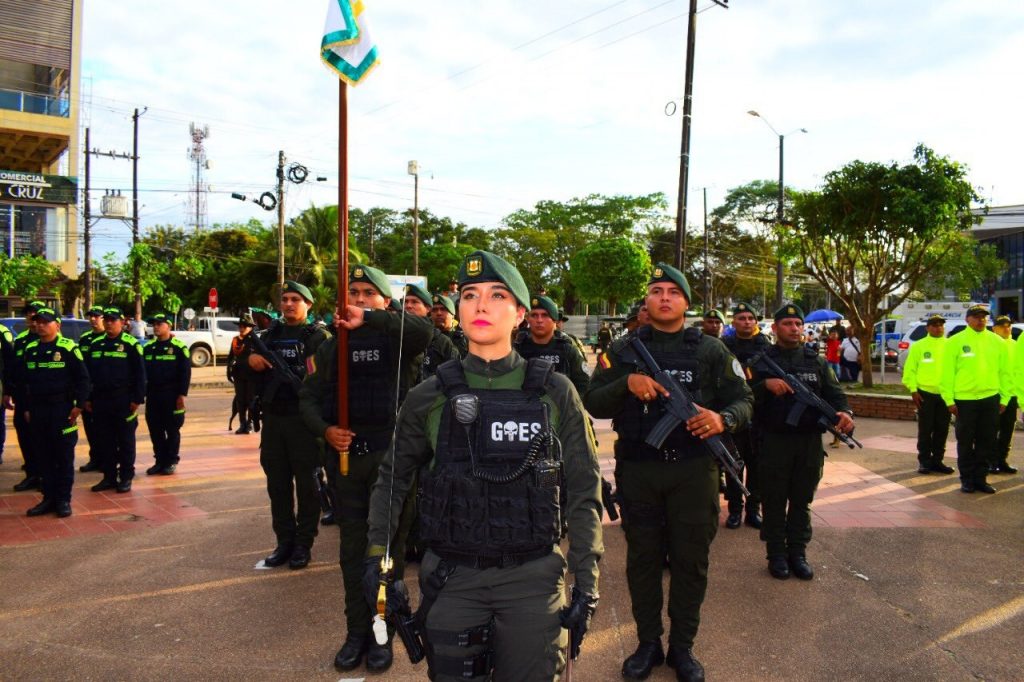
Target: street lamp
(781, 202)
(414, 171)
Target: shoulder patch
(65, 342)
(737, 369)
(77, 352)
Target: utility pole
(135, 213)
(372, 260)
(280, 222)
(707, 287)
(414, 171)
(779, 217)
(88, 229)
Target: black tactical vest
(636, 419)
(294, 353)
(557, 352)
(744, 349)
(777, 408)
(493, 489)
(372, 363)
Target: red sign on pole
(213, 297)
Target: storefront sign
(38, 188)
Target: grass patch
(877, 389)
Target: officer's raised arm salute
(670, 492)
(506, 463)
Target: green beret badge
(474, 266)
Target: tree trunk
(864, 335)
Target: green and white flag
(347, 47)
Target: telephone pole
(136, 279)
(280, 222)
(88, 229)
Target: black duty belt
(484, 561)
(367, 444)
(636, 451)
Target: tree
(875, 230)
(612, 270)
(26, 275)
(541, 242)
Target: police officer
(418, 302)
(442, 312)
(240, 375)
(490, 512)
(289, 454)
(375, 365)
(922, 374)
(95, 331)
(1008, 418)
(976, 386)
(792, 458)
(745, 343)
(118, 388)
(32, 479)
(711, 323)
(168, 374)
(543, 340)
(669, 494)
(56, 385)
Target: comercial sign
(37, 188)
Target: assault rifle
(805, 397)
(281, 370)
(679, 407)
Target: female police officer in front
(507, 463)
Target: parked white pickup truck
(210, 335)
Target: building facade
(40, 49)
(1003, 227)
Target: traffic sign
(213, 297)
(188, 314)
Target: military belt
(636, 451)
(477, 636)
(503, 560)
(466, 668)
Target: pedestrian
(976, 387)
(240, 376)
(484, 436)
(289, 454)
(832, 353)
(792, 457)
(1007, 420)
(137, 328)
(383, 348)
(13, 390)
(168, 375)
(712, 323)
(672, 492)
(418, 302)
(118, 377)
(442, 312)
(747, 342)
(95, 331)
(922, 375)
(604, 337)
(56, 385)
(850, 355)
(543, 340)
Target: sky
(506, 103)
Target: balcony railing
(32, 103)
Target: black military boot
(800, 568)
(753, 519)
(733, 520)
(281, 554)
(28, 483)
(688, 668)
(44, 507)
(351, 653)
(300, 558)
(639, 665)
(778, 567)
(379, 657)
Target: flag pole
(342, 359)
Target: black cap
(159, 317)
(1002, 320)
(95, 311)
(246, 320)
(46, 315)
(112, 314)
(977, 310)
(935, 318)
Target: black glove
(371, 581)
(576, 619)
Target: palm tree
(311, 246)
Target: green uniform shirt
(723, 384)
(413, 447)
(975, 366)
(923, 369)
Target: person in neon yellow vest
(922, 374)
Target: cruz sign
(36, 187)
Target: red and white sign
(213, 298)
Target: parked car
(70, 327)
(211, 335)
(919, 330)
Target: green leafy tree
(26, 275)
(875, 230)
(612, 270)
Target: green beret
(935, 318)
(95, 310)
(159, 317)
(394, 305)
(562, 317)
(441, 299)
(112, 314)
(789, 310)
(977, 310)
(420, 293)
(744, 308)
(296, 288)
(546, 304)
(46, 315)
(374, 277)
(713, 315)
(484, 266)
(1001, 320)
(667, 273)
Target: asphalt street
(915, 580)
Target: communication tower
(197, 193)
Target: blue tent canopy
(822, 315)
